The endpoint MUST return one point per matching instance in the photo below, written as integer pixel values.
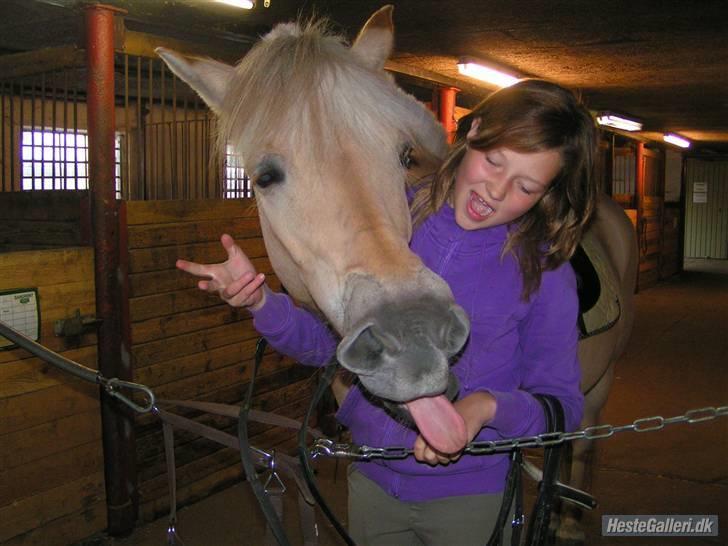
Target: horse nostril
(362, 351)
(456, 330)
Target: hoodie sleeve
(550, 363)
(294, 331)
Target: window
(58, 160)
(237, 183)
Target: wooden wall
(186, 344)
(51, 460)
(43, 219)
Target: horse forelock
(302, 89)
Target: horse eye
(405, 156)
(269, 177)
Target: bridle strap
(303, 454)
(269, 511)
(548, 489)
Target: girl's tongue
(478, 208)
(440, 425)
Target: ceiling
(663, 61)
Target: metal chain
(328, 448)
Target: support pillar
(446, 110)
(113, 354)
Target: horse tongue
(441, 426)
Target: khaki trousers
(376, 519)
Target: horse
(328, 138)
(611, 237)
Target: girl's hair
(530, 116)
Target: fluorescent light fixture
(477, 70)
(619, 122)
(243, 4)
(676, 140)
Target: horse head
(325, 135)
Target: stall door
(650, 197)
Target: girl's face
(500, 185)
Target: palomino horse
(322, 129)
(324, 132)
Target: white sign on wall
(700, 192)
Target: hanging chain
(328, 448)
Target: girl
(498, 222)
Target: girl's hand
(477, 410)
(235, 280)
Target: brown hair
(531, 116)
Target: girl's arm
(293, 330)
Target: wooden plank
(192, 388)
(50, 472)
(48, 404)
(48, 59)
(33, 512)
(45, 268)
(180, 301)
(147, 354)
(58, 205)
(282, 374)
(45, 233)
(50, 341)
(174, 211)
(183, 323)
(33, 374)
(189, 365)
(32, 444)
(154, 282)
(155, 258)
(70, 529)
(141, 236)
(169, 303)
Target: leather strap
(538, 528)
(269, 511)
(303, 457)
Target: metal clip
(111, 386)
(173, 539)
(278, 486)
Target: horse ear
(207, 77)
(375, 41)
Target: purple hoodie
(515, 348)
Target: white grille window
(58, 160)
(237, 183)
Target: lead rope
(303, 452)
(269, 510)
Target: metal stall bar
(118, 425)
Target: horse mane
(302, 79)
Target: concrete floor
(676, 361)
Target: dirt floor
(677, 360)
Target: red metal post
(446, 110)
(113, 355)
